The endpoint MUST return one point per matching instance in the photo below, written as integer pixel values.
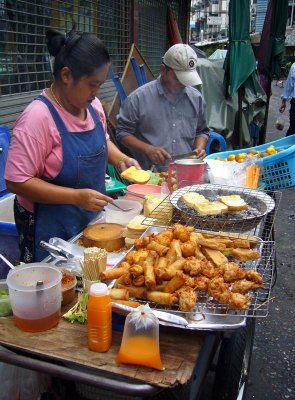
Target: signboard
(214, 20)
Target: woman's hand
(128, 162)
(91, 200)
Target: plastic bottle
(99, 318)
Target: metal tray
(260, 204)
(210, 315)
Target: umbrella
(240, 63)
(271, 49)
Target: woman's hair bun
(55, 41)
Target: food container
(68, 286)
(141, 190)
(35, 295)
(114, 215)
(5, 306)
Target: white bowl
(117, 216)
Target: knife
(184, 155)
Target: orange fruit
(217, 158)
(231, 157)
(271, 150)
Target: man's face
(170, 81)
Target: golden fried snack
(219, 290)
(173, 268)
(201, 283)
(254, 276)
(242, 243)
(252, 239)
(238, 301)
(159, 248)
(227, 251)
(126, 279)
(243, 286)
(245, 254)
(211, 243)
(148, 269)
(232, 272)
(119, 294)
(128, 303)
(176, 282)
(160, 269)
(181, 232)
(189, 281)
(135, 291)
(207, 269)
(162, 298)
(214, 255)
(187, 299)
(164, 238)
(113, 273)
(188, 248)
(176, 247)
(192, 266)
(136, 270)
(138, 280)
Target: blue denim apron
(84, 165)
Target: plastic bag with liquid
(140, 342)
(279, 124)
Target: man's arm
(200, 145)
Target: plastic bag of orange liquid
(140, 342)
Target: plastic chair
(214, 136)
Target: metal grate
(25, 63)
(257, 220)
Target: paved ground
(272, 368)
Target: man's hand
(200, 153)
(157, 154)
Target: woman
(60, 148)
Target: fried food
(181, 232)
(245, 254)
(219, 290)
(192, 266)
(201, 282)
(159, 248)
(162, 298)
(119, 294)
(175, 283)
(238, 301)
(243, 286)
(187, 299)
(207, 269)
(188, 248)
(214, 255)
(232, 272)
(254, 276)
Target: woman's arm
(39, 191)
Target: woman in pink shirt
(60, 148)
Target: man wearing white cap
(167, 116)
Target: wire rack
(257, 220)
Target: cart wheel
(233, 365)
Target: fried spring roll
(161, 297)
(176, 282)
(128, 303)
(173, 268)
(176, 245)
(113, 273)
(149, 273)
(135, 291)
(136, 270)
(119, 294)
(159, 248)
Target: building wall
(25, 65)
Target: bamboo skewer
(95, 260)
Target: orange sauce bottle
(99, 318)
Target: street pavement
(272, 367)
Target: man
(289, 93)
(167, 116)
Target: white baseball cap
(183, 60)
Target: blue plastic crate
(8, 246)
(278, 170)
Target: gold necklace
(54, 97)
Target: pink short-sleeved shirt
(36, 149)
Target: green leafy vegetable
(79, 311)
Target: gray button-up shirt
(152, 117)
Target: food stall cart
(187, 351)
